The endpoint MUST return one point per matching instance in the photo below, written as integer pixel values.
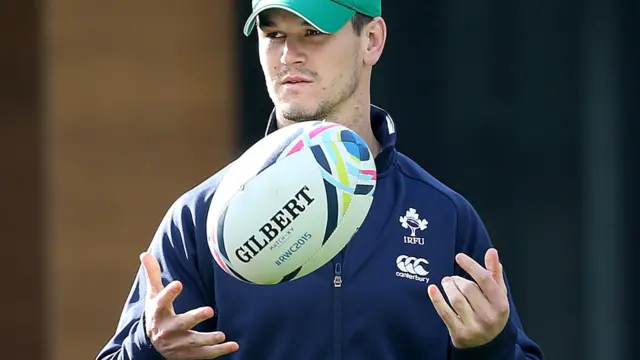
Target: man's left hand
(480, 309)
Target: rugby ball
(291, 202)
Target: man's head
(317, 55)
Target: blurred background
(111, 110)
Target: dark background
(530, 110)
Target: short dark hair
(358, 21)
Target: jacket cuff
(500, 348)
(143, 348)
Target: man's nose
(292, 53)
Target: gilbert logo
(411, 220)
(412, 268)
(274, 231)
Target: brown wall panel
(141, 108)
(21, 257)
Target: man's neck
(358, 119)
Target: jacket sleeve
(174, 245)
(512, 343)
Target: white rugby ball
(291, 202)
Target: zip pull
(337, 279)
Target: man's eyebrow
(265, 22)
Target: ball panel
(362, 189)
(333, 211)
(292, 275)
(347, 136)
(341, 177)
(321, 158)
(219, 233)
(341, 169)
(295, 148)
(321, 127)
(364, 152)
(353, 150)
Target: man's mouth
(295, 80)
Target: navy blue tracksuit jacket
(369, 303)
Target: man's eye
(274, 35)
(312, 32)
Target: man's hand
(171, 334)
(480, 309)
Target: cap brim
(324, 15)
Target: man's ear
(375, 35)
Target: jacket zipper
(337, 308)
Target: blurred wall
(140, 107)
(21, 258)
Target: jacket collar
(384, 129)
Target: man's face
(308, 73)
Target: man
(387, 295)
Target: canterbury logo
(412, 265)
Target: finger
(200, 339)
(457, 300)
(448, 316)
(212, 351)
(191, 318)
(482, 276)
(492, 262)
(152, 271)
(166, 297)
(476, 299)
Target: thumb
(153, 274)
(492, 263)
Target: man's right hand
(171, 334)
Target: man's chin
(298, 114)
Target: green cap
(327, 16)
